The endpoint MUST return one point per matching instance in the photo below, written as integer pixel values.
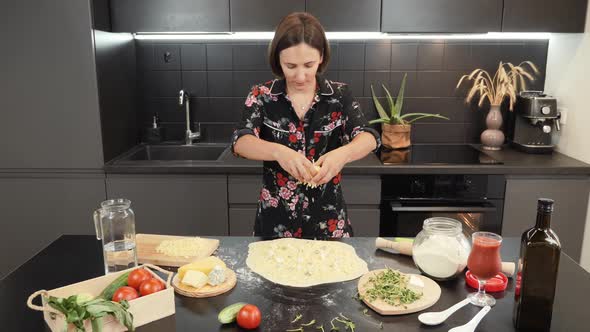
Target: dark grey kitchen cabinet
(101, 17)
(241, 220)
(261, 15)
(242, 194)
(170, 204)
(170, 15)
(544, 15)
(441, 16)
(569, 217)
(346, 15)
(362, 195)
(365, 221)
(37, 208)
(48, 86)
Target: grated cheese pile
(180, 248)
(311, 184)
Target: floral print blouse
(287, 208)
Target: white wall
(568, 79)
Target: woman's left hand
(331, 164)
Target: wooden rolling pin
(405, 248)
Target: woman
(296, 123)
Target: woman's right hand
(295, 163)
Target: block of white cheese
(415, 284)
(217, 275)
(196, 279)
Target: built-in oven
(475, 200)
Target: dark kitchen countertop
(74, 258)
(513, 163)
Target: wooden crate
(145, 309)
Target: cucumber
(229, 313)
(110, 290)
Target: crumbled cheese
(217, 275)
(196, 279)
(180, 248)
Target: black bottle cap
(545, 205)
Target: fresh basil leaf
(96, 324)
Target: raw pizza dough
(303, 263)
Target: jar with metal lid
(441, 249)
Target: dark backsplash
(219, 75)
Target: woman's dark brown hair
(294, 29)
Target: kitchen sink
(201, 152)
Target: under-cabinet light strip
(333, 36)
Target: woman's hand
(295, 163)
(331, 164)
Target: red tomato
(136, 277)
(125, 293)
(249, 317)
(150, 286)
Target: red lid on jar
(495, 284)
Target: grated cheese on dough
(180, 248)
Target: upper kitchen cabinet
(49, 101)
(544, 15)
(441, 16)
(346, 15)
(261, 15)
(170, 15)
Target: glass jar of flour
(441, 249)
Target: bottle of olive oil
(537, 273)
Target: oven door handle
(397, 208)
(442, 209)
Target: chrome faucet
(183, 99)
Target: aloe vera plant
(395, 109)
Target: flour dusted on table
(304, 263)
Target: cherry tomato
(249, 317)
(136, 277)
(125, 293)
(150, 286)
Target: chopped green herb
(321, 328)
(334, 328)
(310, 323)
(297, 318)
(391, 287)
(295, 330)
(348, 324)
(381, 325)
(366, 312)
(348, 319)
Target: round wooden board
(430, 294)
(207, 290)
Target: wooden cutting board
(147, 244)
(207, 290)
(430, 294)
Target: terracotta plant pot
(395, 136)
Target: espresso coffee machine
(531, 124)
